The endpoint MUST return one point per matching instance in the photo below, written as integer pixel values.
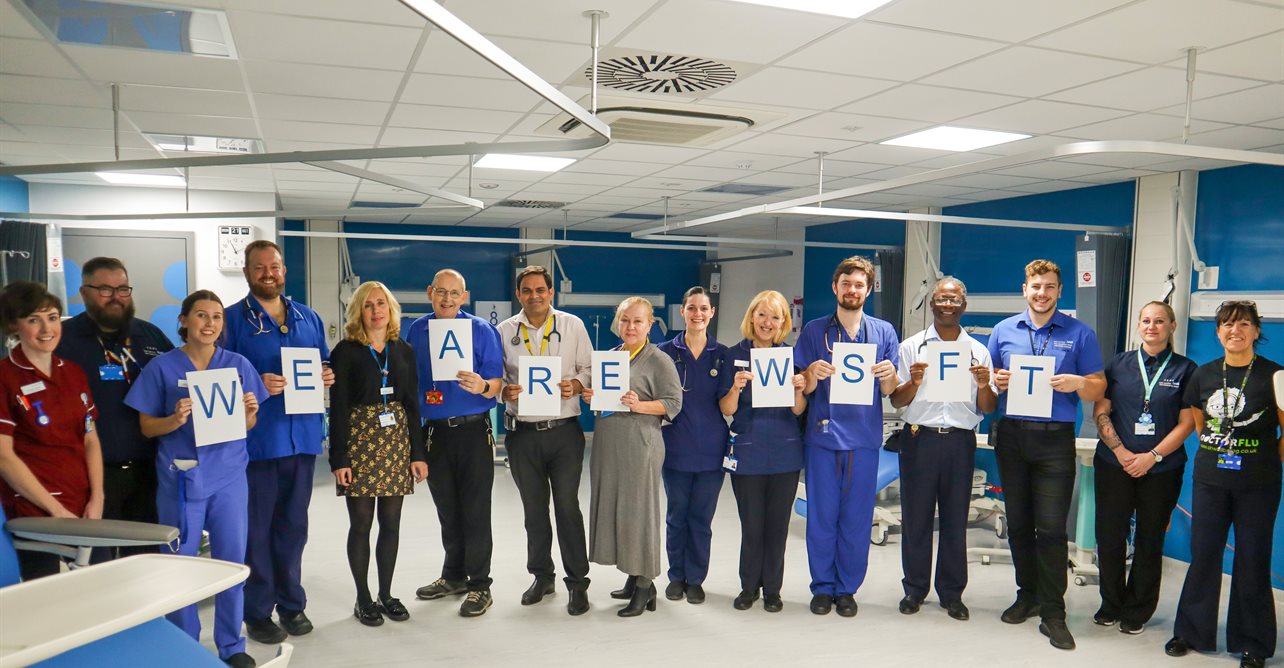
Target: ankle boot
(578, 603)
(630, 585)
(643, 599)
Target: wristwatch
(1158, 457)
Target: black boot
(630, 586)
(578, 603)
(643, 599)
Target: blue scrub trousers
(223, 515)
(840, 513)
(692, 501)
(278, 531)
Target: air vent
(661, 121)
(662, 73)
(530, 204)
(746, 189)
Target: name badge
(729, 463)
(386, 391)
(1230, 462)
(387, 420)
(1144, 429)
(32, 388)
(182, 382)
(741, 364)
(111, 372)
(434, 398)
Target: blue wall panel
(819, 263)
(410, 265)
(296, 262)
(13, 195)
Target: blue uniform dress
(210, 496)
(283, 450)
(769, 452)
(842, 443)
(694, 444)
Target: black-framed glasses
(109, 290)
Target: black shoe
(578, 603)
(475, 603)
(394, 610)
(243, 660)
(540, 588)
(695, 594)
(643, 599)
(745, 600)
(1246, 661)
(296, 623)
(441, 587)
(821, 604)
(1176, 647)
(846, 605)
(1019, 612)
(1130, 628)
(772, 603)
(909, 605)
(1102, 618)
(1058, 635)
(625, 592)
(368, 614)
(675, 591)
(264, 631)
(957, 610)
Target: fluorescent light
(947, 138)
(203, 144)
(131, 179)
(530, 163)
(848, 9)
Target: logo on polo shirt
(1063, 345)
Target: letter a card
(450, 345)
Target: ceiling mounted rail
(510, 241)
(218, 215)
(831, 212)
(746, 241)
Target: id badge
(386, 391)
(435, 398)
(823, 426)
(729, 463)
(111, 372)
(387, 420)
(1229, 461)
(1144, 429)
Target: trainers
(1058, 635)
(1019, 612)
(1102, 618)
(440, 587)
(1130, 628)
(475, 603)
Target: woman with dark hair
(693, 447)
(201, 488)
(50, 460)
(1236, 485)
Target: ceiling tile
(322, 81)
(1240, 137)
(452, 118)
(126, 66)
(392, 13)
(851, 127)
(192, 124)
(1020, 19)
(1151, 88)
(928, 103)
(36, 90)
(422, 137)
(1277, 123)
(184, 101)
(760, 34)
(670, 155)
(888, 52)
(799, 88)
(561, 20)
(1151, 127)
(988, 181)
(1260, 58)
(1025, 71)
(552, 61)
(303, 131)
(319, 109)
(1247, 106)
(1031, 144)
(1052, 170)
(40, 114)
(436, 89)
(1038, 117)
(887, 155)
(298, 39)
(802, 147)
(715, 174)
(35, 57)
(15, 24)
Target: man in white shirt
(548, 454)
(937, 450)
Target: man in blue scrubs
(842, 441)
(283, 448)
(1036, 455)
(112, 347)
(457, 429)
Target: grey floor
(681, 634)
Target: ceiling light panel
(133, 179)
(198, 32)
(847, 9)
(947, 138)
(529, 163)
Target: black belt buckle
(545, 425)
(942, 430)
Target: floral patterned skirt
(380, 455)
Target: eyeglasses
(1238, 302)
(108, 290)
(947, 301)
(442, 293)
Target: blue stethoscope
(255, 318)
(862, 337)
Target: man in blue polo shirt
(842, 441)
(1036, 455)
(283, 448)
(457, 429)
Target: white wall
(742, 280)
(1152, 252)
(83, 199)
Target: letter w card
(540, 395)
(450, 347)
(773, 372)
(1030, 387)
(853, 382)
(947, 377)
(610, 380)
(218, 411)
(304, 391)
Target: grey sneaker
(441, 587)
(475, 603)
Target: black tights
(361, 512)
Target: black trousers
(545, 462)
(1036, 470)
(32, 565)
(1131, 596)
(129, 493)
(764, 502)
(461, 475)
(1250, 621)
(936, 472)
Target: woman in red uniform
(50, 462)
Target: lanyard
(1149, 383)
(1231, 411)
(383, 369)
(1046, 340)
(548, 326)
(119, 360)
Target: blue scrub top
(696, 439)
(1126, 392)
(1070, 340)
(488, 362)
(276, 434)
(768, 440)
(850, 427)
(156, 392)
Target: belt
(1036, 425)
(939, 430)
(544, 425)
(460, 421)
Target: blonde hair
(354, 330)
(1168, 311)
(776, 301)
(628, 303)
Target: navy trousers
(280, 492)
(692, 500)
(936, 472)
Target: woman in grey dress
(628, 451)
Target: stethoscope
(682, 367)
(255, 318)
(550, 330)
(862, 337)
(919, 353)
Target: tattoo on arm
(1107, 431)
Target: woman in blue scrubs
(201, 489)
(693, 447)
(768, 453)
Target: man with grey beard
(112, 347)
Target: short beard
(843, 305)
(264, 293)
(107, 321)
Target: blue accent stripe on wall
(819, 263)
(14, 195)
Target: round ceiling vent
(659, 73)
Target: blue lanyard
(383, 369)
(1147, 382)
